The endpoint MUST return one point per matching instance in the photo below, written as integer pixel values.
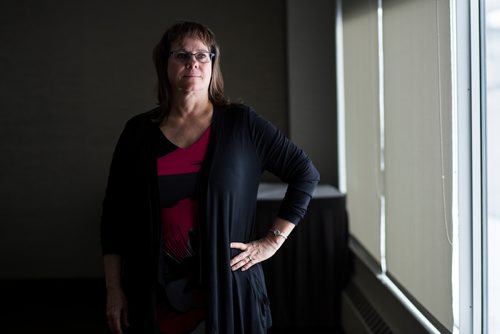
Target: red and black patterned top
(182, 309)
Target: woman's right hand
(116, 310)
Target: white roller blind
(415, 103)
(418, 151)
(362, 124)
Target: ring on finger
(250, 258)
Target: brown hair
(161, 54)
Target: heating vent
(372, 320)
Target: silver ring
(249, 258)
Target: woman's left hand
(254, 252)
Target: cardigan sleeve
(117, 197)
(288, 162)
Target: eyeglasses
(201, 57)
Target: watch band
(277, 233)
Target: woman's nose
(192, 62)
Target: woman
(179, 208)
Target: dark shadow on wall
(72, 74)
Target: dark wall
(71, 74)
(311, 85)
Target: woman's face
(187, 72)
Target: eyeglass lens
(202, 57)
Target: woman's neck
(187, 120)
(188, 105)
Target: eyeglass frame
(211, 56)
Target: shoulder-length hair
(161, 54)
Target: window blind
(405, 103)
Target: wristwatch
(277, 233)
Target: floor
(52, 306)
(67, 306)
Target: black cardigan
(242, 145)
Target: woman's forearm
(284, 227)
(113, 271)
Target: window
(419, 104)
(492, 124)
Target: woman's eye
(183, 55)
(201, 56)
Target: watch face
(277, 233)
